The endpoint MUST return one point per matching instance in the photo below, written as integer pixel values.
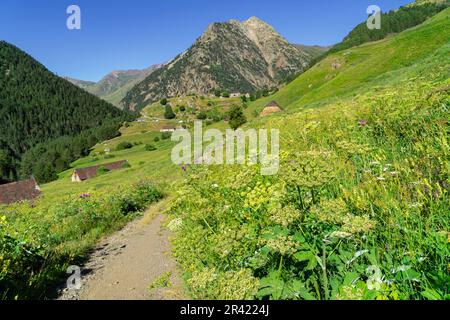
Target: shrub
(126, 165)
(237, 117)
(166, 135)
(164, 101)
(157, 139)
(150, 147)
(124, 145)
(217, 117)
(168, 113)
(202, 116)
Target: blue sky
(119, 34)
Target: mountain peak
(260, 31)
(234, 56)
(256, 21)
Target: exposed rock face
(233, 56)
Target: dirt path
(125, 264)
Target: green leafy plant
(164, 281)
(150, 147)
(237, 117)
(124, 145)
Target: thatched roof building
(271, 108)
(83, 174)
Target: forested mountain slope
(36, 106)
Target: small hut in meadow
(168, 129)
(80, 175)
(19, 191)
(271, 108)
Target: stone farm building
(271, 108)
(19, 191)
(168, 129)
(80, 175)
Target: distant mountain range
(313, 51)
(115, 85)
(232, 56)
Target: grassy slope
(117, 96)
(358, 195)
(362, 68)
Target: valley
(114, 86)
